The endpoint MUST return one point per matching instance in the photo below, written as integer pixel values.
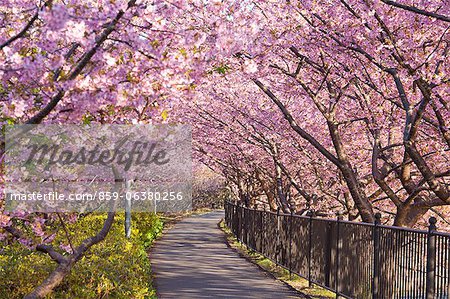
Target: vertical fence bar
(263, 233)
(447, 263)
(431, 259)
(408, 263)
(310, 214)
(376, 262)
(239, 220)
(236, 216)
(328, 254)
(338, 249)
(238, 225)
(246, 218)
(255, 208)
(423, 275)
(397, 247)
(438, 272)
(242, 217)
(290, 243)
(277, 246)
(233, 219)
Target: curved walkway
(193, 261)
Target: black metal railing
(352, 259)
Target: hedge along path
(193, 261)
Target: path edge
(245, 256)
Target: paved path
(192, 261)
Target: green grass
(115, 268)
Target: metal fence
(352, 259)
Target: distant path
(192, 261)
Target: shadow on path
(193, 261)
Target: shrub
(115, 268)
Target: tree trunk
(66, 265)
(359, 197)
(408, 217)
(52, 281)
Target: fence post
(239, 221)
(328, 254)
(231, 214)
(263, 233)
(255, 208)
(228, 209)
(431, 259)
(236, 220)
(244, 224)
(310, 214)
(233, 218)
(290, 243)
(376, 263)
(245, 216)
(225, 209)
(277, 247)
(338, 247)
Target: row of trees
(119, 61)
(342, 105)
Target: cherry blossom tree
(364, 83)
(107, 62)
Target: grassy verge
(115, 268)
(298, 283)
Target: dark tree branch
(56, 256)
(111, 26)
(65, 264)
(417, 10)
(30, 23)
(439, 189)
(295, 126)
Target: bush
(115, 268)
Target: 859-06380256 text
(99, 195)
